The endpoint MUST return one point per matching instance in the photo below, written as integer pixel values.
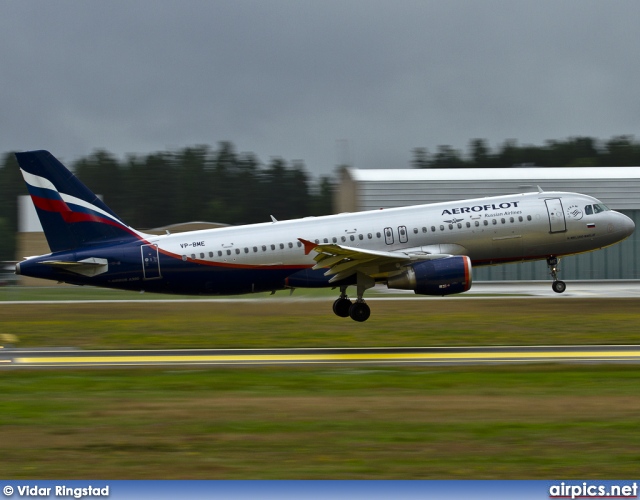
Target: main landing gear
(358, 310)
(343, 307)
(557, 285)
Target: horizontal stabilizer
(87, 267)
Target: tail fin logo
(71, 214)
(46, 197)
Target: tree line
(221, 185)
(618, 151)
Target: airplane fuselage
(272, 256)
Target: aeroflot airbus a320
(429, 249)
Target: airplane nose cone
(627, 226)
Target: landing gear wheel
(559, 286)
(341, 307)
(359, 311)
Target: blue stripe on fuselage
(176, 276)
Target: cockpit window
(599, 207)
(596, 208)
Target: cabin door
(557, 222)
(150, 262)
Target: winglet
(308, 245)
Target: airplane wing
(343, 261)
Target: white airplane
(430, 249)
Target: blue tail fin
(70, 214)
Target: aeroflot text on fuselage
(481, 208)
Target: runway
(59, 358)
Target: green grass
(291, 322)
(502, 422)
(68, 292)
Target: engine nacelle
(435, 277)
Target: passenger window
(424, 229)
(441, 227)
(219, 253)
(237, 251)
(360, 237)
(201, 255)
(210, 254)
(255, 249)
(520, 218)
(460, 225)
(264, 248)
(352, 238)
(326, 240)
(290, 245)
(299, 245)
(477, 223)
(273, 247)
(369, 235)
(281, 246)
(228, 252)
(486, 222)
(511, 219)
(334, 239)
(343, 238)
(588, 210)
(528, 217)
(468, 224)
(433, 229)
(494, 222)
(246, 250)
(415, 230)
(450, 226)
(503, 221)
(193, 255)
(378, 235)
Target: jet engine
(435, 277)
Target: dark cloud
(323, 81)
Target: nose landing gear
(557, 285)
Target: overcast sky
(323, 81)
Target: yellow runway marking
(310, 358)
